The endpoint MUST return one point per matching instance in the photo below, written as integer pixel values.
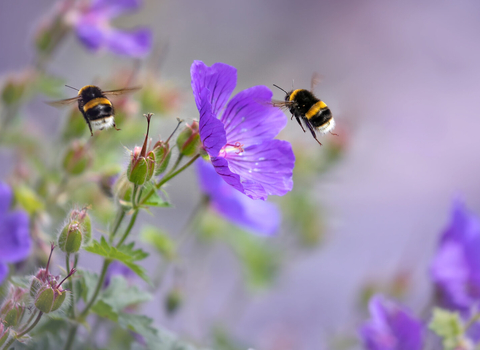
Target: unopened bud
(142, 165)
(188, 141)
(76, 232)
(77, 158)
(162, 156)
(173, 301)
(150, 164)
(13, 307)
(47, 300)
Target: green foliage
(125, 254)
(158, 239)
(448, 326)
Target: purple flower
(239, 135)
(257, 216)
(93, 28)
(456, 265)
(391, 327)
(14, 232)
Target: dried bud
(77, 158)
(162, 156)
(47, 293)
(188, 141)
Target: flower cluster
(239, 135)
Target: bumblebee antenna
(71, 87)
(280, 88)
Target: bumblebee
(94, 105)
(305, 107)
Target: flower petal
(113, 8)
(256, 216)
(212, 133)
(90, 34)
(269, 164)
(248, 187)
(135, 43)
(250, 117)
(220, 79)
(5, 198)
(3, 271)
(15, 236)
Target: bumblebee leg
(90, 127)
(115, 127)
(299, 122)
(312, 130)
(333, 133)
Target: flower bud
(77, 158)
(188, 141)
(49, 299)
(138, 168)
(162, 156)
(13, 307)
(173, 301)
(141, 166)
(4, 333)
(76, 232)
(14, 90)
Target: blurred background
(402, 80)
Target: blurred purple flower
(456, 265)
(14, 232)
(391, 327)
(117, 268)
(93, 28)
(239, 138)
(257, 216)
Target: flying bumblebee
(305, 107)
(94, 105)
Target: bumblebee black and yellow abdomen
(99, 108)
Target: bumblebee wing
(281, 104)
(122, 91)
(63, 102)
(316, 78)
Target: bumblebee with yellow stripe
(94, 105)
(305, 107)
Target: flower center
(229, 148)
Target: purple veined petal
(136, 43)
(5, 198)
(250, 117)
(248, 187)
(269, 164)
(220, 79)
(256, 216)
(113, 8)
(15, 237)
(117, 268)
(91, 33)
(212, 133)
(3, 271)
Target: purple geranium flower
(239, 138)
(456, 265)
(256, 216)
(117, 268)
(391, 327)
(93, 28)
(14, 232)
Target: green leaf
(28, 199)
(448, 326)
(86, 282)
(120, 295)
(125, 254)
(155, 199)
(160, 241)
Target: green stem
(70, 286)
(129, 228)
(166, 178)
(118, 222)
(6, 346)
(134, 196)
(84, 313)
(28, 321)
(71, 337)
(472, 321)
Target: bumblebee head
(90, 92)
